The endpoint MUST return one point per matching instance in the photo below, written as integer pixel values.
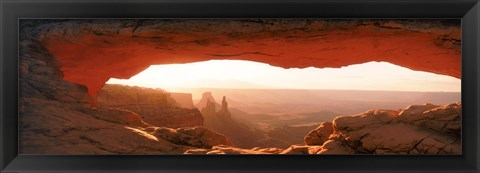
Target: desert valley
(281, 119)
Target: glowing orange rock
(94, 51)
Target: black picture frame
(467, 10)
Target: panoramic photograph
(240, 86)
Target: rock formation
(209, 110)
(319, 135)
(156, 106)
(224, 149)
(56, 117)
(65, 62)
(127, 47)
(418, 129)
(199, 137)
(221, 121)
(184, 100)
(207, 97)
(224, 112)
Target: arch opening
(238, 74)
(249, 101)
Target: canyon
(155, 106)
(417, 129)
(66, 108)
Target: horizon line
(367, 90)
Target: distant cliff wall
(156, 106)
(183, 100)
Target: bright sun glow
(248, 74)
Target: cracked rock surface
(417, 129)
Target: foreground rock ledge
(418, 129)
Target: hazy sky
(248, 74)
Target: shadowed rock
(57, 117)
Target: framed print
(240, 86)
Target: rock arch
(92, 51)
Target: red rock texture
(417, 129)
(56, 117)
(60, 60)
(92, 51)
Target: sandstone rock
(221, 121)
(333, 147)
(199, 137)
(209, 110)
(197, 151)
(319, 135)
(268, 150)
(51, 127)
(368, 118)
(285, 43)
(118, 95)
(184, 100)
(354, 128)
(155, 106)
(445, 118)
(224, 112)
(296, 149)
(222, 149)
(114, 115)
(208, 137)
(397, 138)
(418, 129)
(206, 98)
(415, 110)
(57, 116)
(41, 78)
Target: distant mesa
(184, 100)
(156, 106)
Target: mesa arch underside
(93, 51)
